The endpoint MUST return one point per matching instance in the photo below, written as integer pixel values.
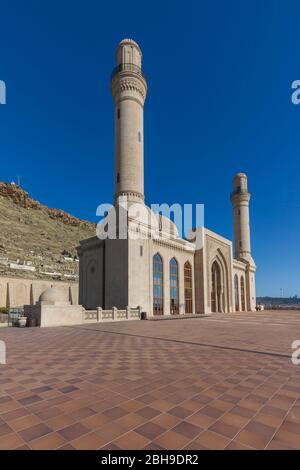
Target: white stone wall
(16, 292)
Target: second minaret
(129, 90)
(240, 198)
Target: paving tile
(234, 445)
(15, 414)
(49, 442)
(10, 441)
(211, 440)
(24, 422)
(73, 431)
(114, 413)
(29, 400)
(68, 389)
(95, 421)
(148, 412)
(59, 422)
(201, 420)
(288, 438)
(150, 430)
(212, 412)
(187, 429)
(171, 440)
(131, 440)
(227, 430)
(89, 441)
(34, 432)
(180, 412)
(111, 431)
(5, 429)
(131, 421)
(49, 413)
(256, 435)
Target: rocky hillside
(35, 241)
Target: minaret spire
(129, 89)
(240, 198)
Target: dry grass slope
(39, 235)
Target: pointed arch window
(216, 290)
(243, 301)
(158, 285)
(236, 293)
(174, 287)
(188, 288)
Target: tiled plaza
(221, 382)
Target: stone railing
(99, 315)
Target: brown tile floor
(219, 382)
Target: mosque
(157, 270)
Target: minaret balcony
(126, 67)
(238, 191)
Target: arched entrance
(236, 293)
(216, 288)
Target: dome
(138, 213)
(53, 294)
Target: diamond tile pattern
(218, 382)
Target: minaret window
(118, 177)
(140, 137)
(118, 113)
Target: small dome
(53, 294)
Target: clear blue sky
(219, 102)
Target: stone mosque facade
(162, 274)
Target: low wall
(100, 315)
(65, 315)
(52, 315)
(15, 292)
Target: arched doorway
(236, 293)
(174, 287)
(243, 301)
(216, 288)
(188, 288)
(158, 285)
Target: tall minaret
(240, 198)
(129, 89)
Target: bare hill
(36, 241)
